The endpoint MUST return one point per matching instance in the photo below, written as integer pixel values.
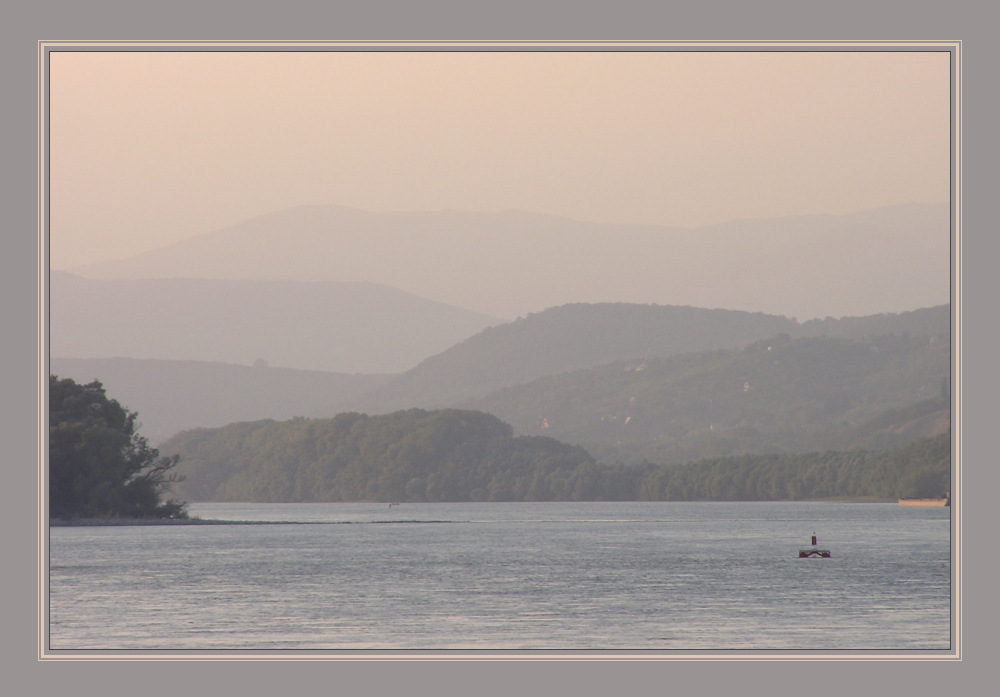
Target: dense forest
(456, 455)
(413, 455)
(919, 470)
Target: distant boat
(925, 502)
(814, 551)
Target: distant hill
(457, 455)
(334, 327)
(577, 336)
(414, 455)
(781, 395)
(172, 396)
(495, 370)
(510, 263)
(929, 321)
(560, 340)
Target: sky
(149, 148)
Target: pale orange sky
(149, 148)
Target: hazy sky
(149, 148)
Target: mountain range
(326, 326)
(563, 339)
(508, 264)
(621, 380)
(320, 310)
(781, 395)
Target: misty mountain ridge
(579, 336)
(509, 263)
(560, 340)
(524, 370)
(778, 395)
(333, 327)
(173, 396)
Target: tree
(99, 466)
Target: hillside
(414, 455)
(510, 263)
(930, 321)
(171, 396)
(454, 455)
(578, 336)
(560, 340)
(174, 395)
(778, 395)
(334, 327)
(920, 469)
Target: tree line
(460, 455)
(921, 469)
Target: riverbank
(122, 522)
(82, 522)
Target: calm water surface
(575, 576)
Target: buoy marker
(814, 551)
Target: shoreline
(111, 522)
(121, 522)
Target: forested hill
(921, 469)
(453, 455)
(175, 395)
(929, 321)
(578, 336)
(780, 395)
(413, 455)
(563, 339)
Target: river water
(621, 577)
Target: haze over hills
(335, 327)
(561, 366)
(559, 340)
(780, 418)
(580, 336)
(508, 264)
(367, 312)
(781, 395)
(632, 381)
(173, 396)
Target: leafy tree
(98, 465)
